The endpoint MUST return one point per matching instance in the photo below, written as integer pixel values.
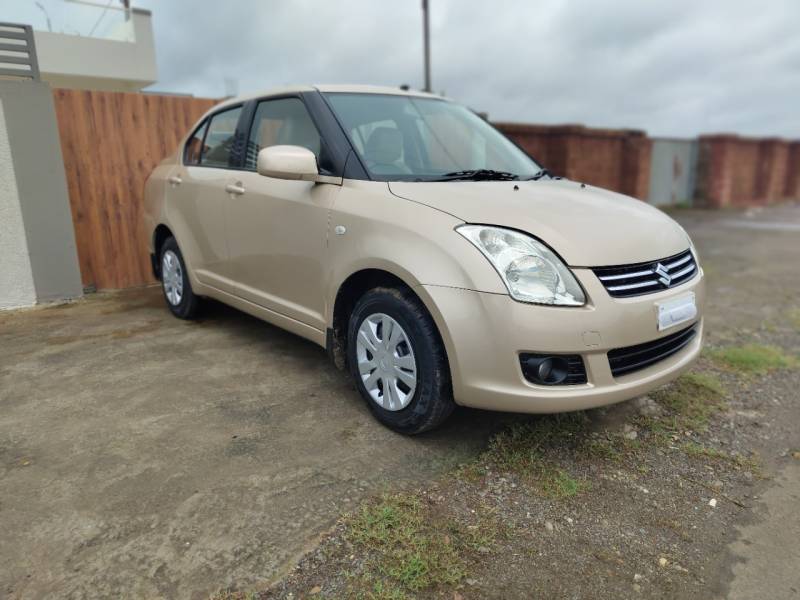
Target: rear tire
(398, 361)
(178, 293)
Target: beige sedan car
(432, 257)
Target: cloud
(674, 68)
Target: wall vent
(18, 52)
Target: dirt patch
(114, 334)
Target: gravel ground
(644, 499)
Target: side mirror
(287, 162)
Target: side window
(220, 139)
(191, 152)
(278, 122)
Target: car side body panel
(415, 243)
(278, 253)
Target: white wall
(38, 256)
(75, 61)
(16, 276)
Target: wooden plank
(111, 141)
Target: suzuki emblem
(663, 274)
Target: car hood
(587, 226)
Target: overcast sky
(670, 67)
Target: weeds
(695, 450)
(794, 317)
(409, 548)
(557, 483)
(522, 449)
(690, 400)
(753, 359)
(233, 595)
(610, 446)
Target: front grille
(633, 358)
(576, 371)
(649, 277)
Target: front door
(277, 229)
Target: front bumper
(484, 335)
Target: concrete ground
(771, 545)
(143, 456)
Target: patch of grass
(520, 447)
(471, 472)
(753, 359)
(660, 429)
(690, 400)
(794, 317)
(604, 448)
(408, 548)
(557, 483)
(611, 446)
(699, 451)
(708, 382)
(751, 463)
(483, 532)
(523, 447)
(233, 595)
(386, 591)
(695, 450)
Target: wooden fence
(110, 142)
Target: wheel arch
(355, 285)
(160, 235)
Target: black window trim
(316, 119)
(365, 174)
(331, 132)
(253, 109)
(330, 129)
(207, 122)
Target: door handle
(175, 179)
(236, 189)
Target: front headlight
(530, 270)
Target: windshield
(409, 138)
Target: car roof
(340, 88)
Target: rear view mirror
(287, 162)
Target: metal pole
(427, 45)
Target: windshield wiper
(477, 175)
(539, 174)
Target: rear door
(277, 229)
(198, 197)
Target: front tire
(398, 361)
(178, 293)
